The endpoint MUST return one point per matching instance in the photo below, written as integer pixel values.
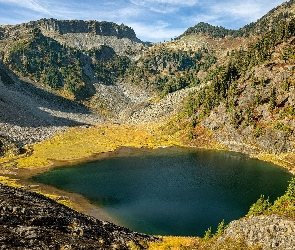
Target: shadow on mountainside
(25, 105)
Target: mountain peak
(206, 28)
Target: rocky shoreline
(31, 221)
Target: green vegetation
(166, 71)
(284, 205)
(219, 231)
(43, 59)
(282, 127)
(222, 80)
(260, 206)
(289, 111)
(258, 131)
(213, 31)
(61, 68)
(262, 26)
(108, 66)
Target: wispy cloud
(33, 5)
(170, 2)
(164, 6)
(154, 20)
(249, 11)
(195, 19)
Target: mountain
(105, 69)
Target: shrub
(261, 206)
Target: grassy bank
(80, 142)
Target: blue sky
(152, 20)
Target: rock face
(80, 26)
(62, 27)
(32, 221)
(268, 232)
(78, 34)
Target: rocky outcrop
(80, 26)
(78, 34)
(62, 27)
(149, 112)
(268, 232)
(32, 221)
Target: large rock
(268, 232)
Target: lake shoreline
(106, 141)
(98, 193)
(79, 202)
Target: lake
(171, 191)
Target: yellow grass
(9, 181)
(80, 142)
(14, 183)
(175, 243)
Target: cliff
(77, 33)
(62, 27)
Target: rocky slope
(30, 114)
(267, 232)
(32, 221)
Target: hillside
(242, 81)
(249, 98)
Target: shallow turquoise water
(172, 191)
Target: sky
(152, 20)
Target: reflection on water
(172, 191)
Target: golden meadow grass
(80, 142)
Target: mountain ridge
(62, 27)
(119, 85)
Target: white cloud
(206, 18)
(159, 31)
(170, 2)
(144, 16)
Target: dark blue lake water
(172, 191)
